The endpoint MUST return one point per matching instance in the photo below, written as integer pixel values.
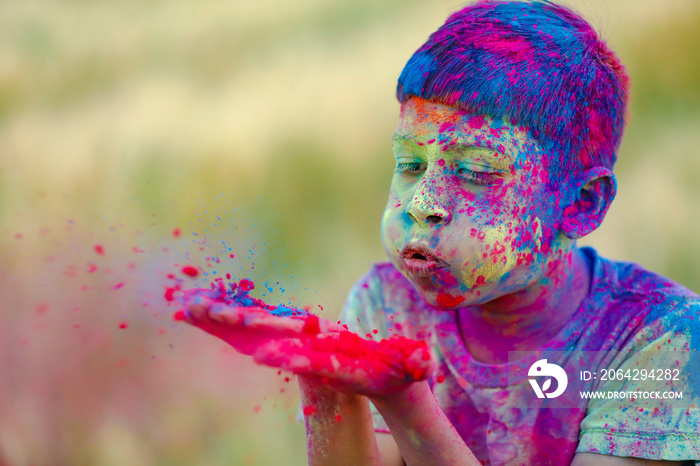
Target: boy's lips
(421, 260)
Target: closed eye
(410, 167)
(478, 178)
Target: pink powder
(190, 271)
(373, 357)
(170, 292)
(476, 122)
(310, 410)
(312, 325)
(447, 300)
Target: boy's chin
(442, 291)
(450, 300)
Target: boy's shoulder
(637, 321)
(631, 281)
(626, 300)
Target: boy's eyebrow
(500, 159)
(403, 139)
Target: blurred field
(260, 128)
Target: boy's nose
(427, 212)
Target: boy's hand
(317, 348)
(351, 364)
(244, 328)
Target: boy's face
(469, 217)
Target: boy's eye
(410, 167)
(478, 178)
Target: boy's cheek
(392, 231)
(400, 194)
(494, 202)
(498, 249)
(494, 254)
(535, 239)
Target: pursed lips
(421, 260)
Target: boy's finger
(289, 354)
(254, 319)
(420, 365)
(196, 294)
(224, 314)
(205, 324)
(197, 307)
(290, 326)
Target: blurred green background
(260, 128)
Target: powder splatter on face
(447, 300)
(500, 258)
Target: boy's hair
(534, 63)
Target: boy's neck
(526, 320)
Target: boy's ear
(594, 191)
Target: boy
(511, 117)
